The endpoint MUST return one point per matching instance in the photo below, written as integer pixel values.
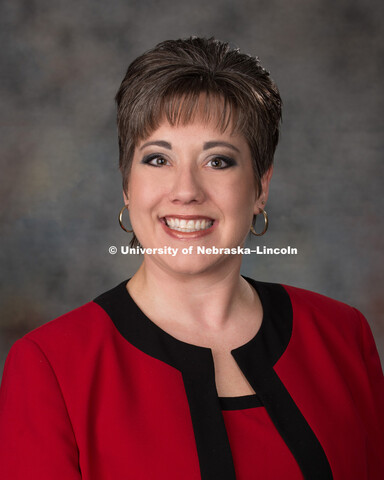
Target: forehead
(199, 134)
(213, 111)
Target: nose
(187, 186)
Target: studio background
(60, 188)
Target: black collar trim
(256, 359)
(240, 403)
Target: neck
(207, 300)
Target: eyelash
(229, 162)
(149, 159)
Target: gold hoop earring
(121, 219)
(265, 224)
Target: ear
(263, 197)
(126, 198)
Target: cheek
(144, 195)
(137, 187)
(243, 197)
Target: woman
(189, 370)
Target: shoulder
(55, 350)
(76, 336)
(74, 327)
(306, 301)
(320, 316)
(305, 304)
(70, 349)
(317, 303)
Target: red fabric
(332, 344)
(78, 401)
(257, 448)
(98, 405)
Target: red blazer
(102, 393)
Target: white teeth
(182, 225)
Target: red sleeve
(36, 437)
(375, 417)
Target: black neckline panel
(271, 340)
(240, 403)
(256, 359)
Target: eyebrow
(158, 143)
(206, 146)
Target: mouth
(188, 225)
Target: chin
(194, 265)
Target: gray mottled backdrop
(60, 190)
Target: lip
(188, 235)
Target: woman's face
(193, 185)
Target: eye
(220, 163)
(155, 160)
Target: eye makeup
(220, 160)
(152, 160)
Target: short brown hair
(168, 82)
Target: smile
(188, 225)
